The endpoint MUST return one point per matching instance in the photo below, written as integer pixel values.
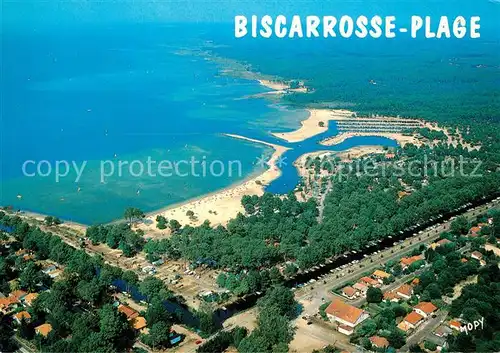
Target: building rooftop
(344, 311)
(22, 315)
(443, 242)
(139, 323)
(477, 255)
(349, 291)
(128, 311)
(18, 294)
(391, 295)
(368, 280)
(405, 289)
(43, 329)
(407, 261)
(379, 342)
(426, 307)
(381, 274)
(413, 318)
(30, 298)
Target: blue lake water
(129, 93)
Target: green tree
(174, 225)
(374, 295)
(158, 335)
(154, 287)
(459, 226)
(133, 214)
(161, 222)
(156, 312)
(281, 299)
(112, 324)
(30, 277)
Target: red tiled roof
(30, 298)
(6, 302)
(349, 291)
(426, 307)
(379, 342)
(390, 295)
(413, 318)
(344, 311)
(369, 281)
(128, 311)
(18, 294)
(443, 242)
(22, 315)
(409, 260)
(139, 323)
(474, 231)
(44, 329)
(405, 289)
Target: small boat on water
(19, 196)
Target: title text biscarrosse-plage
(360, 27)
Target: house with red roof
(8, 305)
(405, 291)
(43, 329)
(379, 342)
(128, 311)
(412, 320)
(362, 288)
(391, 296)
(30, 298)
(476, 255)
(20, 316)
(474, 232)
(368, 281)
(350, 292)
(345, 314)
(18, 294)
(425, 308)
(455, 324)
(407, 261)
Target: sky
(65, 12)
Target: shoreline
(220, 206)
(311, 126)
(318, 122)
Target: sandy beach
(218, 207)
(399, 137)
(318, 120)
(315, 124)
(274, 85)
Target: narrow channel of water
(316, 272)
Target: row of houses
(139, 323)
(15, 300)
(376, 279)
(20, 299)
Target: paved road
(321, 290)
(313, 295)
